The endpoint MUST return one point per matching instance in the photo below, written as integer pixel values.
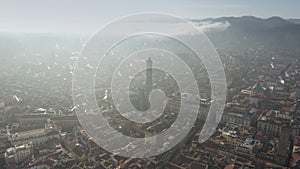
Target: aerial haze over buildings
(257, 43)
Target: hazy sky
(88, 16)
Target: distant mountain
(296, 21)
(235, 33)
(251, 32)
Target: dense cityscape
(260, 126)
(41, 127)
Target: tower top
(149, 60)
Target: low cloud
(212, 26)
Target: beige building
(237, 118)
(36, 136)
(66, 122)
(33, 120)
(16, 155)
(272, 123)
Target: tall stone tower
(282, 153)
(148, 77)
(143, 95)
